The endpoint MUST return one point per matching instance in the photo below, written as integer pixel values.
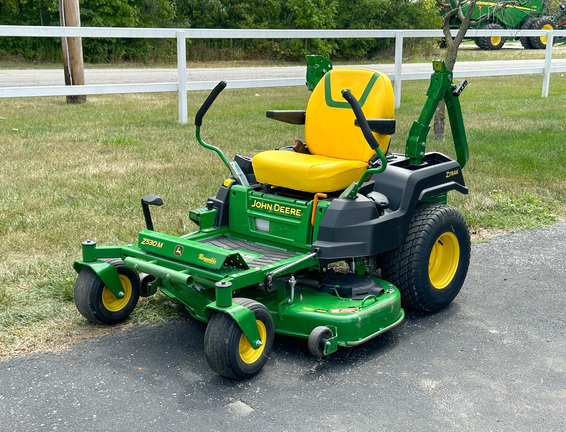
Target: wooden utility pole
(73, 65)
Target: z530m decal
(150, 242)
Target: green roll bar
(440, 87)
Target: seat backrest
(329, 120)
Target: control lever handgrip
(459, 88)
(209, 100)
(362, 121)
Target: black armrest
(382, 126)
(288, 116)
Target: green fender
(245, 319)
(106, 272)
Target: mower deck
(352, 321)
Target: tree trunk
(452, 45)
(439, 121)
(72, 48)
(440, 114)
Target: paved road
(52, 77)
(495, 360)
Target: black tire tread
(485, 44)
(316, 340)
(526, 40)
(88, 289)
(86, 278)
(222, 331)
(399, 266)
(538, 24)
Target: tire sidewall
(222, 342)
(88, 295)
(317, 340)
(243, 369)
(114, 317)
(536, 42)
(485, 43)
(434, 297)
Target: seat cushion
(306, 172)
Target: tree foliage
(244, 14)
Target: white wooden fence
(181, 36)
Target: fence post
(398, 68)
(547, 61)
(73, 63)
(182, 75)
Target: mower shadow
(291, 350)
(182, 340)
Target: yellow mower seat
(339, 151)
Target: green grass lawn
(68, 173)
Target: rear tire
(543, 23)
(228, 351)
(95, 301)
(526, 40)
(430, 267)
(491, 43)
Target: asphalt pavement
(494, 360)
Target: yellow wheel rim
(444, 259)
(247, 353)
(495, 40)
(545, 27)
(113, 304)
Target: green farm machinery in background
(327, 240)
(524, 15)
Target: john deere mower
(327, 240)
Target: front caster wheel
(228, 350)
(430, 268)
(97, 303)
(317, 340)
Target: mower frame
(275, 250)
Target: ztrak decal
(452, 173)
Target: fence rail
(181, 36)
